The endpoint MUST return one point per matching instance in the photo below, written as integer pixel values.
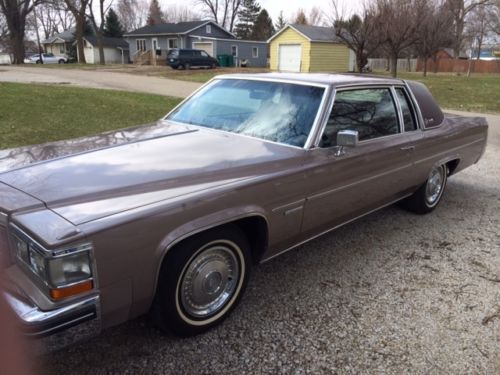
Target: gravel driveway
(391, 293)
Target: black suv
(186, 58)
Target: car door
(49, 58)
(345, 184)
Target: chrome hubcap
(209, 281)
(434, 185)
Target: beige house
(60, 44)
(304, 48)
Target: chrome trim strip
(331, 191)
(3, 219)
(293, 210)
(329, 230)
(326, 117)
(285, 206)
(449, 150)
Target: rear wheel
(38, 61)
(202, 280)
(428, 196)
(61, 61)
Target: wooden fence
(404, 65)
(460, 66)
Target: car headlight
(65, 272)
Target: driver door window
(371, 112)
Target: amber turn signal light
(72, 290)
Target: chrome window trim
(418, 112)
(327, 88)
(3, 219)
(398, 109)
(413, 107)
(390, 87)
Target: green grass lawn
(31, 114)
(477, 93)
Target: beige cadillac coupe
(171, 217)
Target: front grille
(4, 248)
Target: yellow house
(304, 48)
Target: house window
(255, 52)
(61, 48)
(172, 43)
(141, 44)
(209, 29)
(234, 51)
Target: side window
(372, 112)
(408, 115)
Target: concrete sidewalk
(98, 79)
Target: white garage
(289, 57)
(208, 47)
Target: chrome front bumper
(60, 327)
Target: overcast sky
(290, 7)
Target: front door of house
(154, 42)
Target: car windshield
(275, 111)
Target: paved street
(100, 79)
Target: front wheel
(62, 61)
(428, 196)
(202, 280)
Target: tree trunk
(79, 28)
(425, 67)
(101, 48)
(394, 66)
(17, 42)
(359, 61)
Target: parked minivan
(187, 58)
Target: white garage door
(208, 47)
(289, 57)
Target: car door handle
(408, 148)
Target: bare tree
(398, 26)
(494, 19)
(222, 12)
(132, 13)
(316, 17)
(477, 29)
(15, 13)
(98, 25)
(52, 17)
(460, 10)
(280, 22)
(79, 10)
(180, 13)
(434, 31)
(300, 17)
(359, 32)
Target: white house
(116, 50)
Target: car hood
(179, 160)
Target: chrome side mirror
(346, 138)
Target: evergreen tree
(112, 25)
(263, 28)
(247, 17)
(155, 15)
(281, 22)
